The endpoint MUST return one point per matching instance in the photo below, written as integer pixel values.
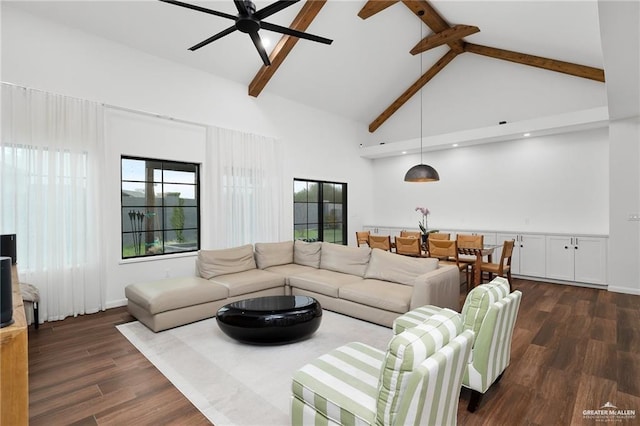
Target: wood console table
(14, 367)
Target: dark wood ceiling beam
(412, 90)
(452, 34)
(577, 70)
(374, 6)
(423, 10)
(307, 14)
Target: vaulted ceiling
(475, 69)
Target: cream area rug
(233, 383)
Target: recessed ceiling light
(404, 152)
(527, 135)
(266, 42)
(454, 145)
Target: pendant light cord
(421, 115)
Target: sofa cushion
(174, 293)
(379, 294)
(348, 260)
(249, 281)
(273, 254)
(322, 281)
(480, 299)
(405, 352)
(289, 270)
(212, 263)
(389, 266)
(307, 254)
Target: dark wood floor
(574, 349)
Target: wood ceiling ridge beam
(451, 34)
(412, 90)
(584, 71)
(374, 6)
(433, 20)
(305, 17)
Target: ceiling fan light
(421, 173)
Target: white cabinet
(528, 256)
(384, 230)
(581, 259)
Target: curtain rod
(116, 107)
(137, 111)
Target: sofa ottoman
(173, 302)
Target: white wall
(556, 183)
(40, 54)
(620, 34)
(624, 240)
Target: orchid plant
(422, 223)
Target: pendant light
(421, 172)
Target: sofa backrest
(348, 260)
(406, 351)
(273, 254)
(211, 263)
(307, 254)
(388, 266)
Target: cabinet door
(591, 260)
(515, 257)
(560, 255)
(532, 255)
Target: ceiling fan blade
(294, 33)
(255, 37)
(241, 6)
(274, 8)
(213, 38)
(200, 9)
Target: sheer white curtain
(50, 159)
(245, 186)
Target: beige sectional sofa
(372, 285)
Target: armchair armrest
(440, 288)
(492, 347)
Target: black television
(6, 300)
(8, 246)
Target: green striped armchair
(417, 381)
(490, 311)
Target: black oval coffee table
(270, 319)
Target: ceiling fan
(249, 21)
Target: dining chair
(447, 253)
(408, 246)
(362, 237)
(439, 236)
(504, 266)
(469, 241)
(380, 241)
(411, 234)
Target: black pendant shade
(421, 173)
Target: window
(320, 211)
(160, 207)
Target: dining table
(479, 252)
